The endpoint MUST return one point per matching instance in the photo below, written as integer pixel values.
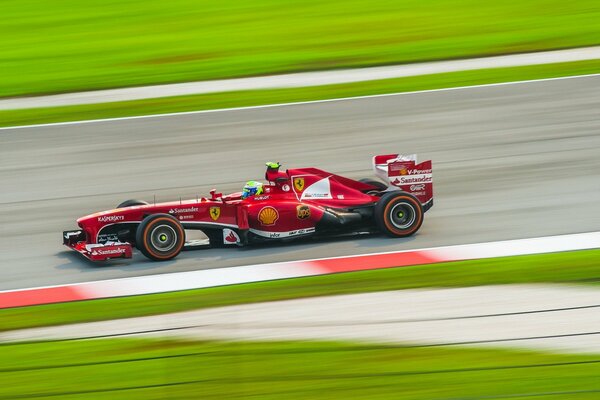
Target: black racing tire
(131, 203)
(160, 237)
(399, 214)
(374, 182)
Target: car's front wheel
(160, 237)
(398, 214)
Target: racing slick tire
(132, 202)
(160, 237)
(373, 182)
(398, 214)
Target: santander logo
(118, 250)
(231, 237)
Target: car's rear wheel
(131, 203)
(160, 237)
(398, 214)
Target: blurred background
(503, 97)
(101, 44)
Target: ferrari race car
(293, 204)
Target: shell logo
(403, 171)
(268, 216)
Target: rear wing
(402, 172)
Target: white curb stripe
(199, 279)
(284, 270)
(549, 244)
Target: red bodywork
(295, 203)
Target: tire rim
(163, 238)
(403, 215)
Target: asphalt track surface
(510, 161)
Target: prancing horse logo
(215, 213)
(299, 184)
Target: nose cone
(101, 218)
(86, 220)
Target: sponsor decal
(268, 216)
(419, 171)
(416, 188)
(403, 169)
(277, 235)
(215, 212)
(182, 217)
(396, 169)
(411, 179)
(108, 252)
(73, 233)
(300, 232)
(299, 184)
(258, 198)
(108, 237)
(183, 210)
(414, 172)
(285, 188)
(230, 237)
(303, 211)
(340, 197)
(111, 218)
(319, 190)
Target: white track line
(174, 114)
(302, 79)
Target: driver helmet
(252, 188)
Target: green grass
(169, 369)
(570, 267)
(84, 45)
(262, 97)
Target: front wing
(96, 252)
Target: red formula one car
(293, 204)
